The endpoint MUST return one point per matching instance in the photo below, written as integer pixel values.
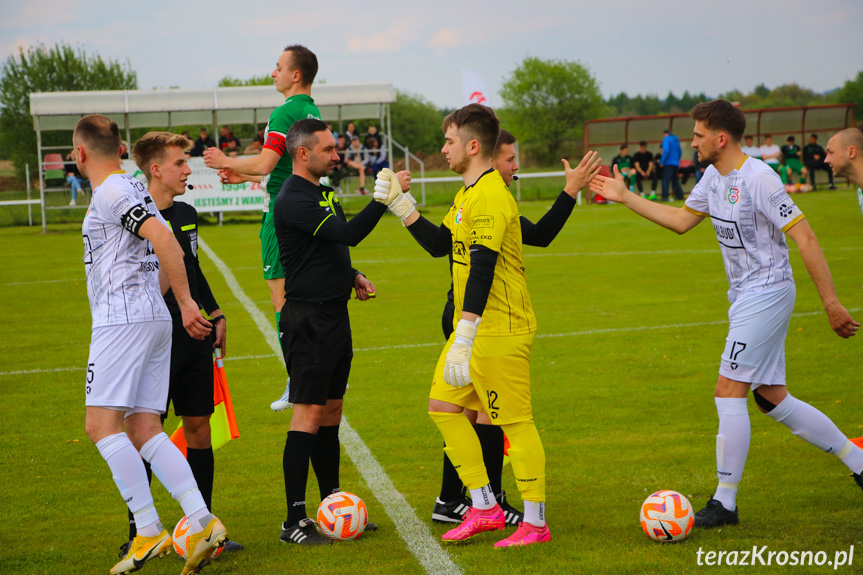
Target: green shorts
(272, 263)
(795, 165)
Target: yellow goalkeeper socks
(462, 447)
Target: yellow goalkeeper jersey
(485, 214)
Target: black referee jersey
(183, 220)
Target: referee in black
(161, 156)
(313, 236)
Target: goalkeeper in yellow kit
(486, 362)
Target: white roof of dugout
(235, 105)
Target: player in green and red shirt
(295, 71)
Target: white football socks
(534, 513)
(131, 479)
(173, 471)
(812, 426)
(732, 447)
(483, 498)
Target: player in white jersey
(751, 213)
(131, 258)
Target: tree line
(545, 102)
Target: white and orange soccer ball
(181, 537)
(342, 516)
(667, 516)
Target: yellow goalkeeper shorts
(500, 371)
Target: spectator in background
(203, 142)
(671, 153)
(813, 159)
(124, 150)
(75, 182)
(185, 134)
(749, 149)
(770, 153)
(350, 132)
(373, 133)
(645, 168)
(624, 163)
(792, 158)
(355, 160)
(341, 170)
(376, 157)
(232, 149)
(698, 167)
(225, 136)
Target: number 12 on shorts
(492, 408)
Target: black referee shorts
(191, 389)
(317, 346)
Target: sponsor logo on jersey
(458, 215)
(121, 205)
(733, 195)
(727, 233)
(482, 222)
(147, 267)
(778, 197)
(785, 210)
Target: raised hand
(610, 188)
(579, 177)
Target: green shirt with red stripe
(295, 108)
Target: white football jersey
(122, 269)
(750, 210)
(860, 198)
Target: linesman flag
(223, 423)
(473, 88)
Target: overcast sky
(638, 47)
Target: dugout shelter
(165, 109)
(608, 134)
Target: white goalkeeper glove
(388, 191)
(456, 370)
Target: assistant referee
(313, 236)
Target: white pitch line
(441, 343)
(78, 367)
(414, 532)
(530, 255)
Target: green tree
(416, 123)
(262, 80)
(546, 105)
(61, 68)
(852, 93)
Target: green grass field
(631, 326)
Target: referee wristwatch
(218, 318)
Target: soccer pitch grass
(632, 321)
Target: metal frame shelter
(607, 134)
(211, 107)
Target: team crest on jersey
(458, 215)
(733, 195)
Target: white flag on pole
(474, 89)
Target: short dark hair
(748, 136)
(305, 61)
(720, 115)
(479, 122)
(789, 139)
(767, 136)
(503, 139)
(624, 146)
(303, 135)
(642, 143)
(99, 134)
(814, 136)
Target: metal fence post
(29, 206)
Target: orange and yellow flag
(223, 423)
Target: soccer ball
(181, 536)
(342, 516)
(666, 516)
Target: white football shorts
(130, 367)
(755, 346)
